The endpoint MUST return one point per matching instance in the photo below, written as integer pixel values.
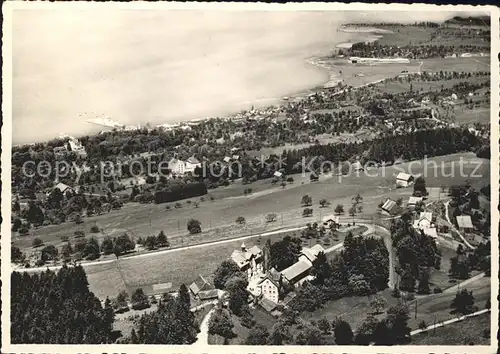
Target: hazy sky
(142, 66)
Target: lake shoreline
(332, 76)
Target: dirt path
(202, 337)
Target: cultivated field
(479, 114)
(218, 217)
(179, 267)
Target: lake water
(159, 66)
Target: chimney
(243, 247)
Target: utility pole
(416, 307)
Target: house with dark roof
(208, 294)
(63, 188)
(199, 285)
(270, 287)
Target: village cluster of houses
(267, 286)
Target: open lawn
(470, 64)
(374, 185)
(473, 330)
(406, 35)
(353, 309)
(177, 268)
(439, 278)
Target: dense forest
(52, 307)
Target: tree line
(361, 268)
(58, 308)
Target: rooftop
(414, 200)
(464, 221)
(389, 205)
(208, 294)
(241, 257)
(200, 284)
(404, 176)
(267, 304)
(295, 270)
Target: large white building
(180, 167)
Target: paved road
(444, 323)
(202, 337)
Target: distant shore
(370, 34)
(360, 34)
